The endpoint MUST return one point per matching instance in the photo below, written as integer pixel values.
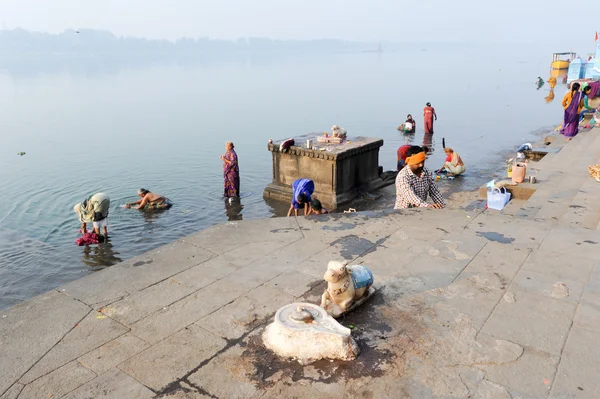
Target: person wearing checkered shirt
(415, 183)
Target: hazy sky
(369, 20)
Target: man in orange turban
(414, 183)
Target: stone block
(337, 173)
(190, 309)
(13, 392)
(489, 390)
(531, 374)
(173, 358)
(461, 247)
(93, 331)
(330, 228)
(584, 243)
(147, 301)
(593, 285)
(241, 315)
(577, 375)
(386, 261)
(244, 232)
(118, 281)
(113, 353)
(503, 230)
(228, 263)
(227, 376)
(293, 283)
(563, 265)
(30, 329)
(475, 296)
(535, 321)
(113, 384)
(497, 258)
(548, 285)
(58, 383)
(434, 271)
(588, 312)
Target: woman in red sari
(231, 172)
(429, 115)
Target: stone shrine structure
(339, 171)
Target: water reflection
(153, 215)
(549, 97)
(233, 209)
(409, 138)
(100, 255)
(428, 142)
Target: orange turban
(416, 159)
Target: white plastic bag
(497, 198)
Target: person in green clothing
(586, 108)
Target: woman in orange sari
(429, 115)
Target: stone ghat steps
(565, 193)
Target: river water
(162, 126)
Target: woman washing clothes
(572, 104)
(409, 126)
(302, 189)
(94, 210)
(231, 172)
(150, 201)
(586, 107)
(453, 164)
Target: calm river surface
(163, 127)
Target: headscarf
(416, 158)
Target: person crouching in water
(414, 183)
(453, 164)
(317, 208)
(302, 189)
(150, 201)
(94, 210)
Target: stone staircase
(565, 199)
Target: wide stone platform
(339, 171)
(470, 304)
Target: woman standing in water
(429, 115)
(231, 171)
(94, 210)
(572, 104)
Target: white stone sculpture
(347, 287)
(306, 332)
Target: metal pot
(532, 179)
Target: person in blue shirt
(302, 189)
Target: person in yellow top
(552, 82)
(572, 104)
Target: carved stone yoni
(305, 332)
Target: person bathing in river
(94, 210)
(150, 201)
(453, 164)
(409, 126)
(302, 189)
(429, 115)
